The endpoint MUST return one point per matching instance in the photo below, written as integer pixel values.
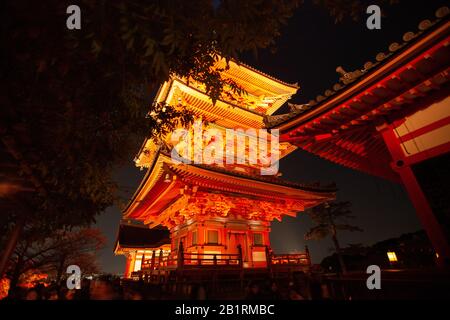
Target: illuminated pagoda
(220, 213)
(390, 119)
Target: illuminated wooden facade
(390, 119)
(138, 243)
(220, 213)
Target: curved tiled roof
(136, 236)
(293, 85)
(270, 179)
(348, 78)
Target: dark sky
(309, 50)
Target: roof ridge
(348, 78)
(268, 179)
(293, 85)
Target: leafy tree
(327, 218)
(349, 9)
(53, 253)
(79, 102)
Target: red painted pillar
(424, 212)
(127, 272)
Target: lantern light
(392, 256)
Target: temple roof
(171, 193)
(162, 164)
(341, 126)
(138, 236)
(313, 187)
(248, 67)
(258, 83)
(355, 79)
(166, 183)
(168, 187)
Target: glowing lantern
(392, 256)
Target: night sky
(309, 50)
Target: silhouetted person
(301, 285)
(103, 290)
(253, 292)
(274, 293)
(316, 287)
(132, 294)
(198, 292)
(294, 295)
(32, 294)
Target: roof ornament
(442, 12)
(270, 121)
(425, 24)
(408, 36)
(297, 107)
(348, 77)
(380, 56)
(394, 47)
(164, 147)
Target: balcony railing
(291, 259)
(186, 260)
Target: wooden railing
(159, 263)
(212, 259)
(291, 259)
(181, 259)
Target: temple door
(239, 239)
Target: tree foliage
(329, 218)
(52, 254)
(78, 101)
(341, 10)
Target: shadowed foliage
(329, 218)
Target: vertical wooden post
(160, 260)
(152, 266)
(215, 260)
(268, 258)
(180, 260)
(241, 273)
(127, 272)
(141, 273)
(240, 255)
(426, 216)
(269, 261)
(307, 255)
(179, 270)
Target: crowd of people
(104, 288)
(300, 287)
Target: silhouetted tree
(328, 217)
(53, 253)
